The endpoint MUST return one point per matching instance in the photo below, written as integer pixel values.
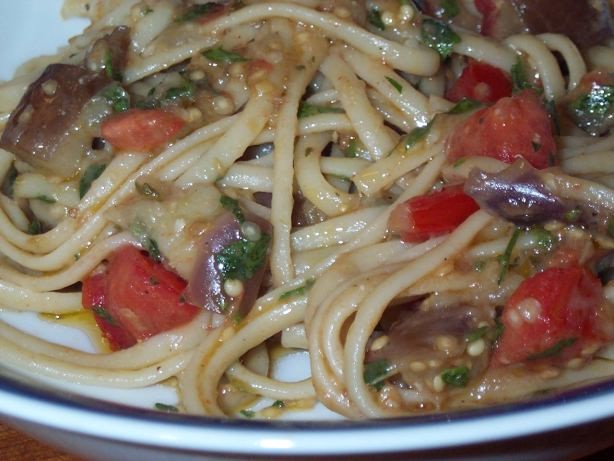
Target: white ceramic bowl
(559, 427)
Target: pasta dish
(417, 194)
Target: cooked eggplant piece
(45, 129)
(109, 53)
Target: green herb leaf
(449, 8)
(196, 11)
(397, 86)
(594, 111)
(35, 227)
(498, 330)
(375, 373)
(553, 113)
(248, 413)
(165, 407)
(242, 259)
(222, 56)
(416, 135)
(278, 404)
(118, 97)
(520, 78)
(299, 291)
(554, 350)
(232, 205)
(138, 229)
(544, 239)
(308, 110)
(103, 314)
(147, 190)
(439, 36)
(45, 198)
(374, 16)
(90, 175)
(109, 69)
(177, 94)
(476, 334)
(457, 376)
(573, 215)
(464, 105)
(504, 259)
(352, 149)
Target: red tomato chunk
(135, 298)
(426, 216)
(513, 128)
(553, 315)
(141, 130)
(481, 82)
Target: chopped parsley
(220, 55)
(232, 205)
(248, 413)
(464, 105)
(457, 376)
(397, 86)
(476, 334)
(90, 175)
(307, 110)
(147, 190)
(375, 373)
(520, 78)
(298, 291)
(35, 227)
(117, 97)
(165, 407)
(439, 36)
(374, 16)
(109, 69)
(449, 8)
(554, 350)
(45, 198)
(138, 229)
(240, 260)
(416, 135)
(491, 333)
(196, 11)
(176, 94)
(103, 314)
(504, 259)
(278, 404)
(594, 111)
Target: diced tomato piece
(552, 316)
(141, 130)
(481, 82)
(256, 65)
(135, 298)
(426, 216)
(513, 128)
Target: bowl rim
(71, 412)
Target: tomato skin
(426, 216)
(481, 82)
(513, 128)
(569, 309)
(141, 130)
(138, 298)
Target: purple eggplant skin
(44, 130)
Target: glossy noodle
(418, 195)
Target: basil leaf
(232, 205)
(520, 78)
(375, 373)
(103, 314)
(45, 198)
(299, 291)
(449, 8)
(138, 229)
(439, 36)
(374, 16)
(416, 135)
(504, 259)
(90, 175)
(240, 260)
(457, 377)
(118, 97)
(222, 56)
(554, 350)
(278, 404)
(35, 227)
(177, 94)
(307, 110)
(248, 413)
(397, 86)
(594, 111)
(165, 407)
(476, 334)
(464, 105)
